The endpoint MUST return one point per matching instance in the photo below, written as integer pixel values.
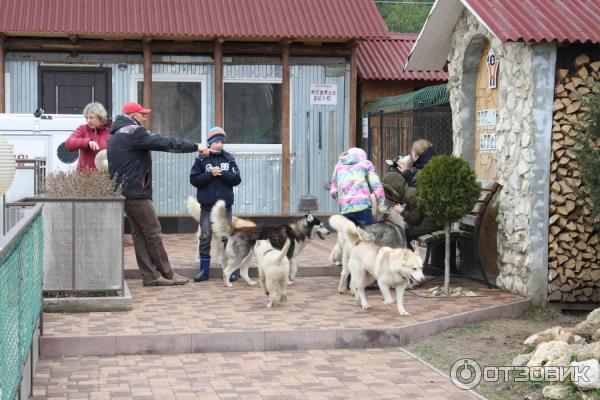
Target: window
(252, 114)
(178, 105)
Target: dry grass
(81, 184)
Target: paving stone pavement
(314, 374)
(313, 303)
(182, 250)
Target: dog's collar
(265, 253)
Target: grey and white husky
(241, 240)
(389, 232)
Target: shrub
(80, 184)
(447, 189)
(588, 149)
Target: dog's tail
(339, 223)
(193, 208)
(284, 250)
(353, 235)
(218, 217)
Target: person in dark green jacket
(398, 192)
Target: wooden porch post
(2, 70)
(352, 105)
(147, 96)
(285, 128)
(218, 56)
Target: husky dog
(241, 240)
(193, 209)
(273, 270)
(388, 232)
(391, 268)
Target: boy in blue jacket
(214, 176)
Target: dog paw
(269, 305)
(251, 283)
(290, 282)
(228, 284)
(342, 291)
(403, 312)
(366, 307)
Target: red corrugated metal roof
(254, 19)
(540, 20)
(385, 59)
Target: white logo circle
(465, 373)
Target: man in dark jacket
(214, 176)
(130, 161)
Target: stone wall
(514, 139)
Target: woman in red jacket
(91, 137)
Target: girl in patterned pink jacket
(353, 180)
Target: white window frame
(252, 148)
(203, 79)
(7, 92)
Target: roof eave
(430, 51)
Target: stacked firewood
(574, 248)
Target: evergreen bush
(446, 190)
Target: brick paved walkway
(313, 303)
(314, 374)
(333, 337)
(182, 250)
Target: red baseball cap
(134, 107)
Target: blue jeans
(364, 217)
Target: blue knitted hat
(215, 134)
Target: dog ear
(414, 244)
(309, 217)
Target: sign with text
(323, 94)
(486, 119)
(487, 143)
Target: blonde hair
(96, 109)
(420, 146)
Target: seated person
(404, 199)
(420, 154)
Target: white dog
(193, 208)
(391, 268)
(273, 270)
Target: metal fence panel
(20, 298)
(392, 134)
